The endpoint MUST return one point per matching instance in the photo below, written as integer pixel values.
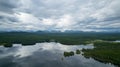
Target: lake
(47, 54)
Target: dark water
(46, 55)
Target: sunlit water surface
(46, 55)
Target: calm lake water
(46, 55)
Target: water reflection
(47, 55)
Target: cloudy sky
(60, 15)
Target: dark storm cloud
(12, 19)
(8, 5)
(1, 17)
(7, 12)
(112, 18)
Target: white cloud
(60, 15)
(111, 9)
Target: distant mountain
(67, 31)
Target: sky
(60, 15)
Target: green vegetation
(7, 44)
(71, 53)
(78, 52)
(104, 51)
(64, 38)
(67, 54)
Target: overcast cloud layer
(60, 15)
